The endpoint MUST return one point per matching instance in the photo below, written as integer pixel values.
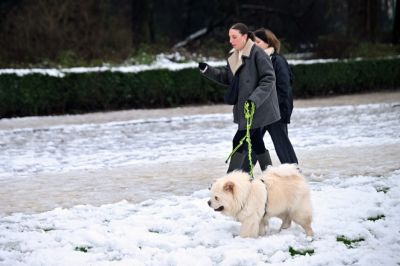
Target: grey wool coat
(256, 83)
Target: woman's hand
(202, 66)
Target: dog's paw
(262, 232)
(309, 238)
(285, 225)
(249, 234)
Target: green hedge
(346, 77)
(38, 94)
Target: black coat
(284, 79)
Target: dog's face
(222, 196)
(230, 193)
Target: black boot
(236, 162)
(264, 160)
(246, 163)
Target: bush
(37, 94)
(340, 46)
(346, 77)
(374, 50)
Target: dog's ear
(228, 186)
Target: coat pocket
(232, 92)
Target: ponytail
(251, 36)
(243, 29)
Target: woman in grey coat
(251, 72)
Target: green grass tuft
(383, 189)
(379, 217)
(294, 252)
(349, 242)
(84, 249)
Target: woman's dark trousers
(282, 144)
(239, 160)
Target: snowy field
(349, 154)
(185, 231)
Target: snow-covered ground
(162, 62)
(134, 191)
(185, 231)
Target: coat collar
(236, 58)
(270, 51)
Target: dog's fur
(281, 192)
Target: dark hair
(243, 29)
(268, 37)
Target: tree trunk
(362, 19)
(355, 19)
(142, 22)
(372, 19)
(396, 26)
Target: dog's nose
(209, 203)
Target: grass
(350, 243)
(294, 252)
(383, 189)
(84, 249)
(378, 217)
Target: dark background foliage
(39, 32)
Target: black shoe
(236, 162)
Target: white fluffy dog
(281, 192)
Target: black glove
(202, 66)
(250, 102)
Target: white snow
(162, 62)
(183, 230)
(172, 62)
(64, 148)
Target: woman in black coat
(267, 40)
(251, 73)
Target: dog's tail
(284, 170)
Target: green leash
(249, 109)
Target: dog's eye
(216, 198)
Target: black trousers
(280, 139)
(257, 142)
